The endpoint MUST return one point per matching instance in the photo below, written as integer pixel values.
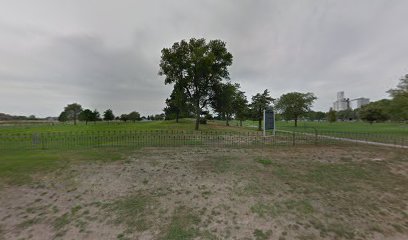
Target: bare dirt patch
(217, 193)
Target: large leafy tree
(72, 111)
(259, 103)
(108, 115)
(223, 98)
(196, 67)
(294, 105)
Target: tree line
(393, 109)
(74, 112)
(199, 73)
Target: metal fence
(387, 139)
(72, 140)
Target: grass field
(184, 124)
(326, 192)
(394, 129)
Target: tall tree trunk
(296, 121)
(240, 123)
(177, 116)
(226, 116)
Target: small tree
(72, 111)
(399, 104)
(134, 116)
(259, 103)
(108, 115)
(240, 106)
(124, 117)
(319, 116)
(294, 105)
(96, 116)
(331, 115)
(86, 115)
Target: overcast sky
(105, 54)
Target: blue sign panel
(269, 118)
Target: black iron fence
(396, 140)
(71, 140)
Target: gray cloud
(106, 54)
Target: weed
(183, 225)
(61, 221)
(264, 162)
(29, 222)
(133, 211)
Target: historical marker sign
(269, 119)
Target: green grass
(298, 207)
(183, 125)
(18, 166)
(183, 225)
(264, 162)
(395, 129)
(133, 211)
(398, 129)
(260, 235)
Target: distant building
(342, 103)
(361, 102)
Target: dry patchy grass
(347, 192)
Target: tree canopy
(86, 115)
(223, 99)
(133, 116)
(399, 105)
(196, 67)
(72, 111)
(372, 113)
(108, 115)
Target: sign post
(268, 120)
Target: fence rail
(73, 140)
